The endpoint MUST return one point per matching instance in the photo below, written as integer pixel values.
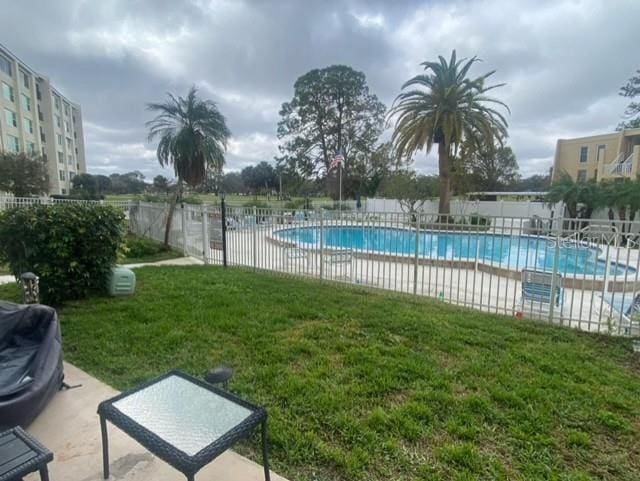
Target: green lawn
(367, 385)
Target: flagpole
(340, 182)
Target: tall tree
(332, 110)
(161, 184)
(84, 186)
(193, 137)
(443, 106)
(260, 177)
(411, 190)
(23, 175)
(491, 167)
(631, 90)
(103, 184)
(128, 183)
(534, 183)
(232, 183)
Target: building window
(28, 125)
(26, 102)
(66, 109)
(60, 158)
(64, 191)
(582, 176)
(62, 175)
(67, 128)
(59, 139)
(7, 92)
(69, 145)
(12, 144)
(31, 148)
(70, 159)
(58, 121)
(26, 80)
(600, 153)
(5, 65)
(11, 118)
(584, 153)
(56, 102)
(71, 175)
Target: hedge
(71, 247)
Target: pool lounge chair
(538, 293)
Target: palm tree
(193, 139)
(445, 107)
(579, 198)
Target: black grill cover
(30, 361)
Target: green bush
(298, 204)
(477, 219)
(141, 247)
(71, 247)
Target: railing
(622, 165)
(7, 202)
(475, 266)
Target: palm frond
(193, 135)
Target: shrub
(141, 247)
(71, 247)
(477, 219)
(298, 204)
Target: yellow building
(607, 156)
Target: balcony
(621, 166)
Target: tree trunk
(444, 167)
(172, 208)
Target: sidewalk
(179, 261)
(69, 426)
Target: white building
(39, 120)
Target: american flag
(338, 161)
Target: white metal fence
(561, 271)
(576, 273)
(11, 202)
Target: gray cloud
(563, 62)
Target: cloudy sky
(563, 62)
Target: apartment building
(599, 157)
(37, 119)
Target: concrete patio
(69, 427)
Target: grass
(366, 385)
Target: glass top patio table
(183, 420)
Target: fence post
(416, 260)
(321, 243)
(556, 262)
(184, 229)
(205, 234)
(255, 237)
(223, 219)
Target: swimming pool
(513, 252)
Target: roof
(526, 193)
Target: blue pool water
(514, 252)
